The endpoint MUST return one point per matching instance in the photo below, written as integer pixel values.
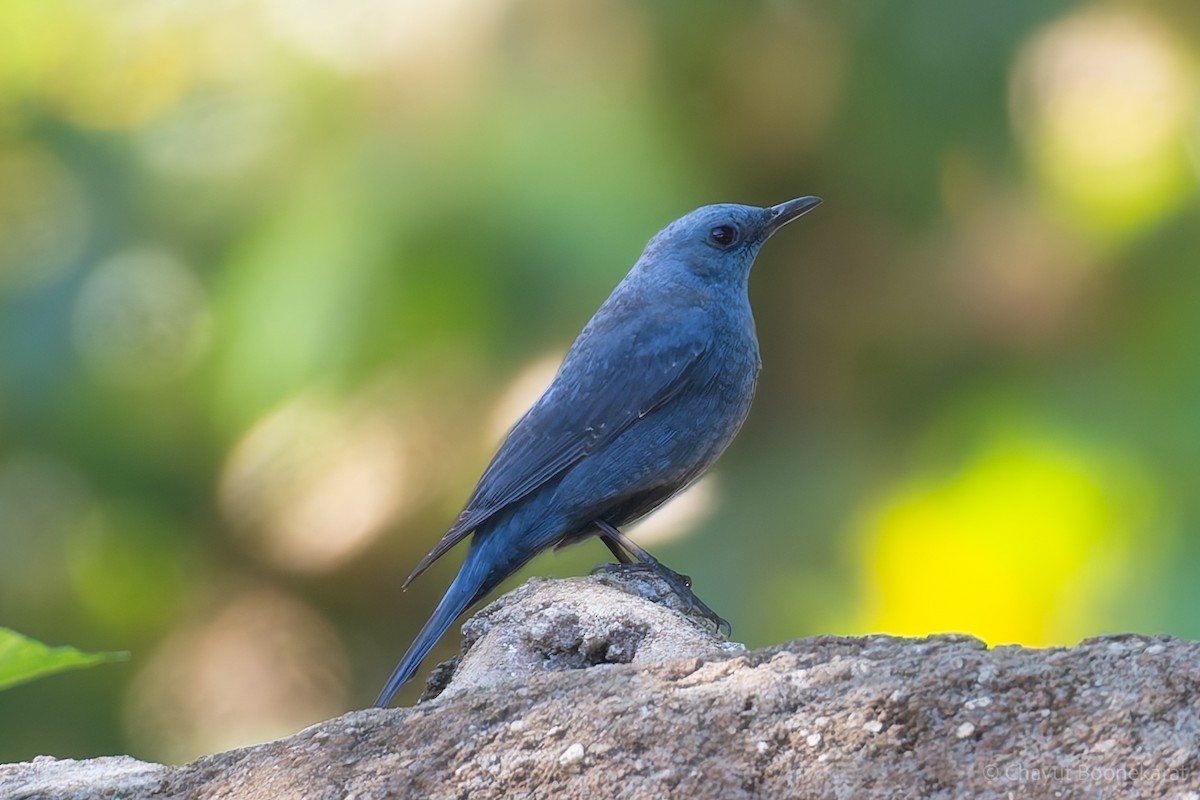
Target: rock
(566, 690)
(107, 778)
(568, 624)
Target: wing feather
(606, 384)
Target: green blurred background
(275, 275)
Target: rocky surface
(577, 688)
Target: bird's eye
(723, 235)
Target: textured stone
(549, 626)
(107, 778)
(825, 717)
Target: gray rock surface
(569, 690)
(93, 779)
(549, 626)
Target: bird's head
(720, 242)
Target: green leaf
(23, 659)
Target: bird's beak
(784, 213)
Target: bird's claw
(680, 585)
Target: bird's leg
(618, 553)
(623, 547)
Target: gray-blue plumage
(653, 390)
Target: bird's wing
(591, 401)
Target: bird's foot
(679, 584)
(666, 573)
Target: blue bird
(653, 390)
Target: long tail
(479, 575)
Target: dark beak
(784, 213)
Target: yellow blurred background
(275, 277)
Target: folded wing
(594, 398)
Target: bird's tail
(477, 576)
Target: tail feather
(474, 579)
